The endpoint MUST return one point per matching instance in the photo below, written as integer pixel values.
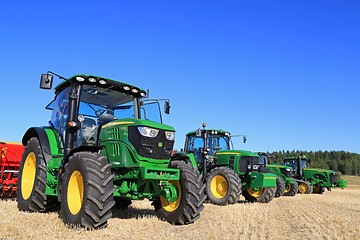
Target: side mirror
(46, 81)
(167, 107)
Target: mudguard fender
(40, 134)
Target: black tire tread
(266, 197)
(98, 190)
(280, 187)
(293, 190)
(38, 201)
(234, 186)
(193, 196)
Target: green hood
(138, 122)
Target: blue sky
(285, 73)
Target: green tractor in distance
(105, 146)
(285, 184)
(313, 180)
(227, 173)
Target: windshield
(97, 102)
(151, 111)
(291, 163)
(263, 160)
(303, 163)
(93, 98)
(217, 142)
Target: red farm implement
(10, 157)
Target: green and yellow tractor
(227, 173)
(285, 184)
(313, 180)
(105, 145)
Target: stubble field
(332, 215)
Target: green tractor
(105, 146)
(313, 180)
(285, 184)
(227, 173)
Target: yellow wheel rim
(288, 187)
(254, 193)
(303, 188)
(28, 176)
(219, 186)
(75, 192)
(172, 206)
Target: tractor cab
(83, 105)
(297, 164)
(204, 144)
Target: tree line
(345, 162)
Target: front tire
(280, 187)
(263, 195)
(291, 189)
(186, 209)
(319, 189)
(223, 186)
(305, 188)
(31, 182)
(87, 191)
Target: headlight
(80, 79)
(170, 135)
(91, 79)
(255, 167)
(287, 169)
(102, 81)
(148, 132)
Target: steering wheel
(105, 115)
(104, 111)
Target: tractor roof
(212, 131)
(101, 82)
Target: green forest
(345, 162)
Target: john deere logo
(160, 144)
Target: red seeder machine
(10, 157)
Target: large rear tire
(291, 189)
(263, 195)
(280, 187)
(186, 209)
(31, 182)
(87, 191)
(223, 186)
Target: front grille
(286, 173)
(333, 178)
(247, 160)
(149, 147)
